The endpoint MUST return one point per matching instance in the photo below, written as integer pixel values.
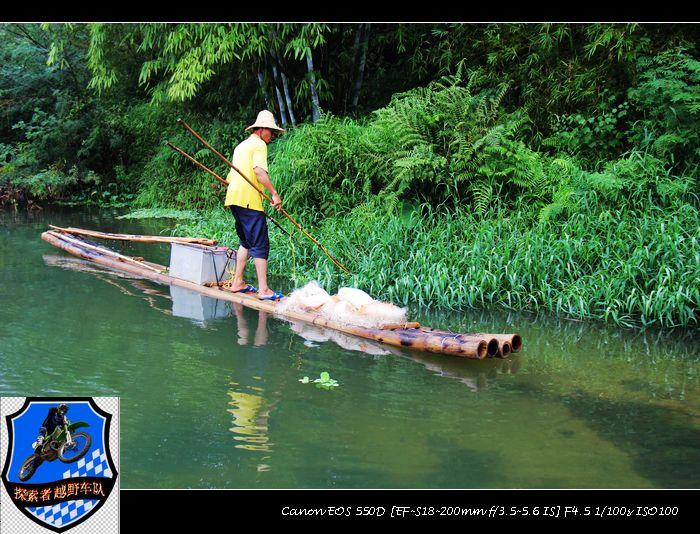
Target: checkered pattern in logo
(65, 513)
(94, 465)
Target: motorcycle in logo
(60, 444)
(59, 495)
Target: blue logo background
(26, 429)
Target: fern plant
(447, 144)
(633, 182)
(668, 96)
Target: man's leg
(259, 242)
(241, 258)
(261, 269)
(243, 250)
(39, 440)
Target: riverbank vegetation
(534, 167)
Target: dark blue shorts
(251, 228)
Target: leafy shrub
(593, 139)
(443, 145)
(668, 98)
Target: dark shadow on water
(462, 467)
(665, 449)
(332, 472)
(663, 444)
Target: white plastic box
(198, 264)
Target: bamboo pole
(132, 237)
(515, 340)
(267, 197)
(493, 343)
(107, 252)
(504, 349)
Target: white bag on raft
(350, 306)
(307, 298)
(356, 297)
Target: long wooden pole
(141, 238)
(267, 197)
(107, 252)
(180, 151)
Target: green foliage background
(548, 166)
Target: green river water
(211, 398)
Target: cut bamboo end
(504, 349)
(492, 347)
(516, 343)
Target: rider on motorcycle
(55, 418)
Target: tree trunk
(315, 106)
(364, 31)
(261, 80)
(288, 98)
(285, 87)
(280, 101)
(355, 55)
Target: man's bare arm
(264, 179)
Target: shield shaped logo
(62, 479)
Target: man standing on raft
(250, 157)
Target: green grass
(155, 213)
(437, 200)
(638, 268)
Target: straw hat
(265, 120)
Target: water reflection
(261, 333)
(119, 279)
(315, 334)
(197, 307)
(249, 407)
(250, 413)
(186, 303)
(477, 375)
(71, 263)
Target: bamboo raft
(405, 335)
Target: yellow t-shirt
(247, 155)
